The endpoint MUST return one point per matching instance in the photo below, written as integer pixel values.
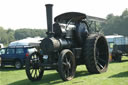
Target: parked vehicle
(15, 55)
(118, 46)
(119, 51)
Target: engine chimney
(49, 19)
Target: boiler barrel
(52, 44)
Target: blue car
(15, 55)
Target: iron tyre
(66, 65)
(96, 53)
(33, 69)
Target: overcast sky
(31, 13)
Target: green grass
(117, 74)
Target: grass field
(117, 74)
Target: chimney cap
(48, 4)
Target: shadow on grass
(121, 74)
(124, 61)
(118, 62)
(48, 79)
(9, 69)
(82, 73)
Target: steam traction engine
(69, 43)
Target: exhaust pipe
(49, 19)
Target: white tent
(27, 42)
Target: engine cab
(71, 25)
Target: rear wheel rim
(101, 55)
(96, 53)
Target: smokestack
(49, 18)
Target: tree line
(9, 35)
(116, 24)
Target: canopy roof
(75, 16)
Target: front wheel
(66, 65)
(33, 69)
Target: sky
(17, 14)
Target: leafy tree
(7, 36)
(10, 34)
(3, 36)
(116, 24)
(24, 33)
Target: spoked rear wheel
(66, 65)
(33, 69)
(96, 53)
